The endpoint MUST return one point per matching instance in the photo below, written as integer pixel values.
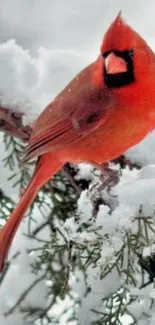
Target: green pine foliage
(58, 257)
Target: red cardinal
(106, 109)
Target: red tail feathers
(38, 180)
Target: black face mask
(121, 79)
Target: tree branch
(11, 123)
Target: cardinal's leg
(109, 177)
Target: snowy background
(43, 44)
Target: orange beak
(115, 64)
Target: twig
(39, 228)
(7, 266)
(23, 295)
(43, 312)
(69, 265)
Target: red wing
(58, 135)
(77, 111)
(63, 131)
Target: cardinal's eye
(118, 68)
(131, 52)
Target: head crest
(120, 36)
(119, 18)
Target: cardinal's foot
(109, 177)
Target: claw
(109, 176)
